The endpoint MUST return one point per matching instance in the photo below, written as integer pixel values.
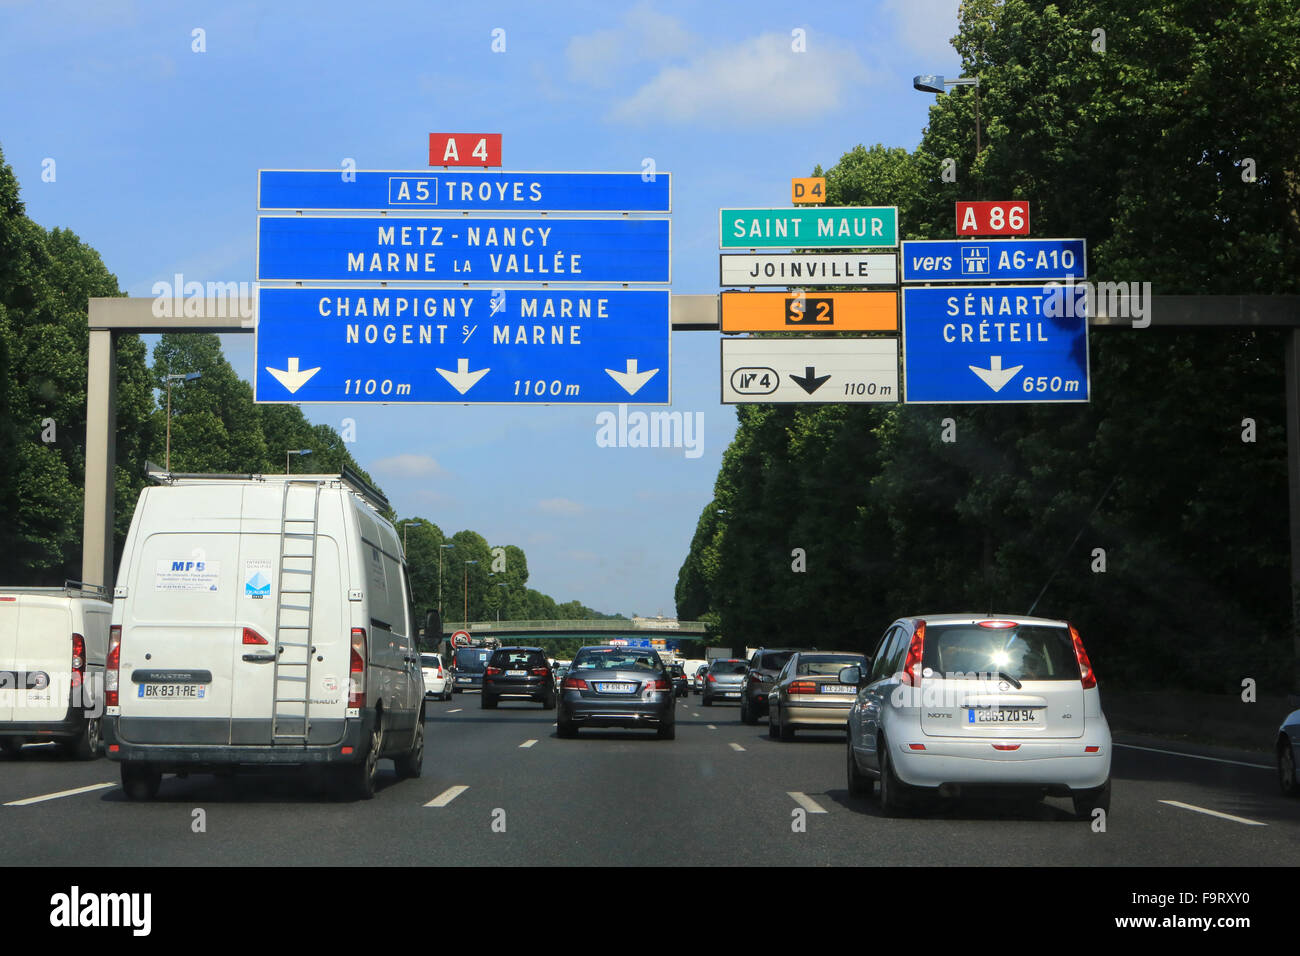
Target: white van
(53, 642)
(262, 620)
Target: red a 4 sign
(997, 218)
(464, 149)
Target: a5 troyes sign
(994, 260)
(325, 189)
(459, 345)
(461, 249)
(1003, 344)
(822, 227)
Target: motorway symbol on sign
(797, 311)
(461, 346)
(809, 370)
(996, 218)
(993, 344)
(740, 269)
(489, 191)
(497, 250)
(994, 260)
(824, 227)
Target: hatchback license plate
(516, 673)
(173, 691)
(615, 688)
(1002, 715)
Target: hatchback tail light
(540, 671)
(912, 664)
(1085, 665)
(78, 660)
(357, 669)
(492, 671)
(574, 683)
(111, 665)
(802, 687)
(710, 678)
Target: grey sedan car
(1288, 750)
(722, 680)
(611, 686)
(808, 694)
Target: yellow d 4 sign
(812, 189)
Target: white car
(958, 704)
(437, 679)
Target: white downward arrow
(462, 380)
(291, 378)
(632, 380)
(995, 376)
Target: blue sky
(157, 147)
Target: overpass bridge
(595, 632)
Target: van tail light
(575, 683)
(78, 660)
(252, 637)
(802, 687)
(492, 671)
(111, 664)
(912, 664)
(1085, 665)
(357, 669)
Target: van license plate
(172, 691)
(1002, 715)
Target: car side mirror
(851, 675)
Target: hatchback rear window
(618, 659)
(1025, 652)
(728, 667)
(827, 666)
(430, 660)
(505, 658)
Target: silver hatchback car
(960, 703)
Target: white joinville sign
(810, 269)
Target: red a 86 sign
(464, 149)
(997, 218)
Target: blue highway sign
(994, 344)
(493, 191)
(463, 346)
(994, 260)
(534, 249)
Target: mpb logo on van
(186, 575)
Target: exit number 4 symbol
(801, 310)
(464, 149)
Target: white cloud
(760, 79)
(925, 29)
(408, 466)
(560, 506)
(644, 34)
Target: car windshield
(472, 658)
(616, 659)
(827, 666)
(729, 667)
(1024, 652)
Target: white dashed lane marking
(1214, 813)
(805, 801)
(526, 744)
(737, 747)
(448, 795)
(456, 711)
(713, 726)
(62, 793)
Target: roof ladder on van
(291, 711)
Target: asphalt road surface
(500, 788)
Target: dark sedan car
(680, 685)
(611, 686)
(518, 672)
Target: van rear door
(178, 629)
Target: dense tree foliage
(1143, 150)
